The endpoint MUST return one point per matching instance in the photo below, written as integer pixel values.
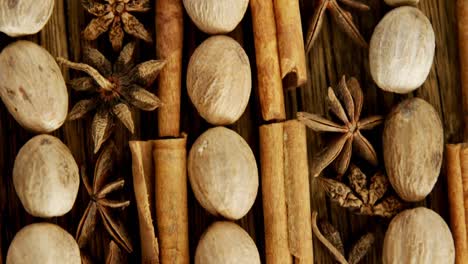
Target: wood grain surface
(332, 56)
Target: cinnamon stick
(273, 194)
(143, 182)
(169, 43)
(455, 197)
(270, 90)
(290, 43)
(464, 166)
(171, 199)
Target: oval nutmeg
(216, 16)
(401, 50)
(223, 173)
(225, 242)
(219, 80)
(46, 177)
(32, 87)
(24, 17)
(418, 235)
(413, 144)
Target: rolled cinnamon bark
(270, 90)
(169, 43)
(464, 166)
(171, 199)
(143, 182)
(462, 16)
(290, 43)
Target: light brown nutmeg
(225, 242)
(216, 16)
(401, 50)
(32, 87)
(413, 144)
(223, 173)
(401, 2)
(418, 235)
(43, 243)
(24, 17)
(219, 80)
(45, 176)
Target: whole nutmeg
(226, 242)
(32, 87)
(413, 144)
(24, 17)
(45, 176)
(401, 2)
(401, 50)
(216, 16)
(43, 243)
(418, 235)
(219, 80)
(223, 173)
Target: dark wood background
(332, 56)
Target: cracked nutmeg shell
(401, 50)
(24, 17)
(225, 242)
(418, 235)
(219, 80)
(413, 143)
(32, 87)
(223, 173)
(45, 176)
(43, 243)
(216, 16)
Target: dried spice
(347, 111)
(115, 255)
(341, 17)
(361, 198)
(101, 205)
(331, 239)
(114, 15)
(117, 89)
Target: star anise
(361, 198)
(349, 135)
(100, 206)
(115, 14)
(116, 91)
(341, 17)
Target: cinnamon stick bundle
(290, 43)
(270, 89)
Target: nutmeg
(216, 16)
(223, 173)
(45, 176)
(418, 235)
(43, 243)
(401, 2)
(401, 50)
(413, 144)
(32, 87)
(219, 80)
(226, 242)
(24, 17)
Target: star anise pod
(116, 88)
(331, 239)
(100, 206)
(349, 135)
(341, 17)
(115, 15)
(361, 198)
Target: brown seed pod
(225, 242)
(43, 243)
(216, 16)
(413, 144)
(32, 87)
(219, 80)
(45, 176)
(418, 235)
(24, 17)
(223, 173)
(401, 2)
(401, 50)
